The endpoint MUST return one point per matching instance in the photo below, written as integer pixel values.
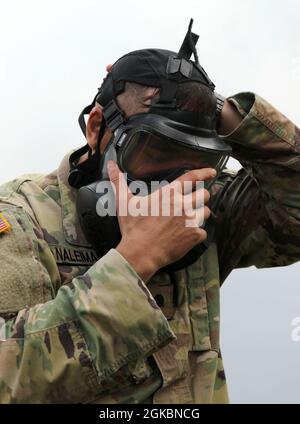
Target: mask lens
(149, 157)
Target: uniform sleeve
(81, 343)
(258, 219)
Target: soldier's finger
(196, 175)
(198, 198)
(119, 184)
(196, 218)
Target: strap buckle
(113, 115)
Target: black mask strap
(88, 171)
(86, 111)
(188, 49)
(189, 45)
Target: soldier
(141, 324)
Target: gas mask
(160, 145)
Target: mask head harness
(164, 126)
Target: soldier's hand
(150, 243)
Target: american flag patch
(4, 224)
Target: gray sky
(52, 59)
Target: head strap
(189, 45)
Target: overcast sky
(53, 55)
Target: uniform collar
(71, 227)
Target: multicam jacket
(76, 329)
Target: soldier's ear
(93, 126)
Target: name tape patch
(69, 256)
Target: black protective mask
(160, 145)
(147, 148)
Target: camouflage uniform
(81, 330)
